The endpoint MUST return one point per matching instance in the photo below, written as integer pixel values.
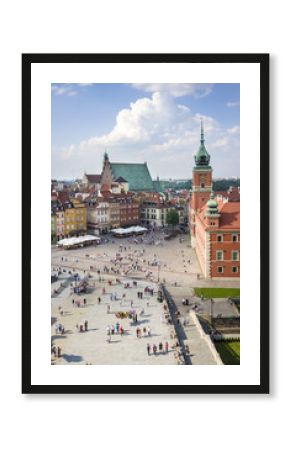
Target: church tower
(106, 175)
(201, 180)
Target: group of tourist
(83, 327)
(145, 331)
(56, 351)
(79, 302)
(59, 328)
(115, 329)
(160, 349)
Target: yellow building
(75, 218)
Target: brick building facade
(214, 223)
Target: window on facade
(202, 185)
(220, 269)
(235, 237)
(235, 256)
(235, 269)
(220, 238)
(220, 255)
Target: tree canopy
(172, 217)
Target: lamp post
(211, 310)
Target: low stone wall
(226, 322)
(207, 338)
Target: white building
(98, 216)
(154, 213)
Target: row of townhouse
(99, 214)
(68, 218)
(112, 211)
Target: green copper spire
(201, 132)
(202, 158)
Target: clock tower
(201, 181)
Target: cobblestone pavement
(136, 260)
(92, 346)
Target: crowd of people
(113, 289)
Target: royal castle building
(214, 222)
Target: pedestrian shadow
(72, 358)
(151, 335)
(58, 336)
(115, 342)
(142, 321)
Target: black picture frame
(27, 61)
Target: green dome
(212, 205)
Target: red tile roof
(230, 215)
(63, 196)
(93, 178)
(222, 193)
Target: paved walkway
(177, 263)
(92, 346)
(199, 351)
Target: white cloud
(158, 130)
(233, 104)
(234, 130)
(67, 88)
(145, 121)
(197, 90)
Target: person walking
(148, 349)
(166, 347)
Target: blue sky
(157, 123)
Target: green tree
(172, 217)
